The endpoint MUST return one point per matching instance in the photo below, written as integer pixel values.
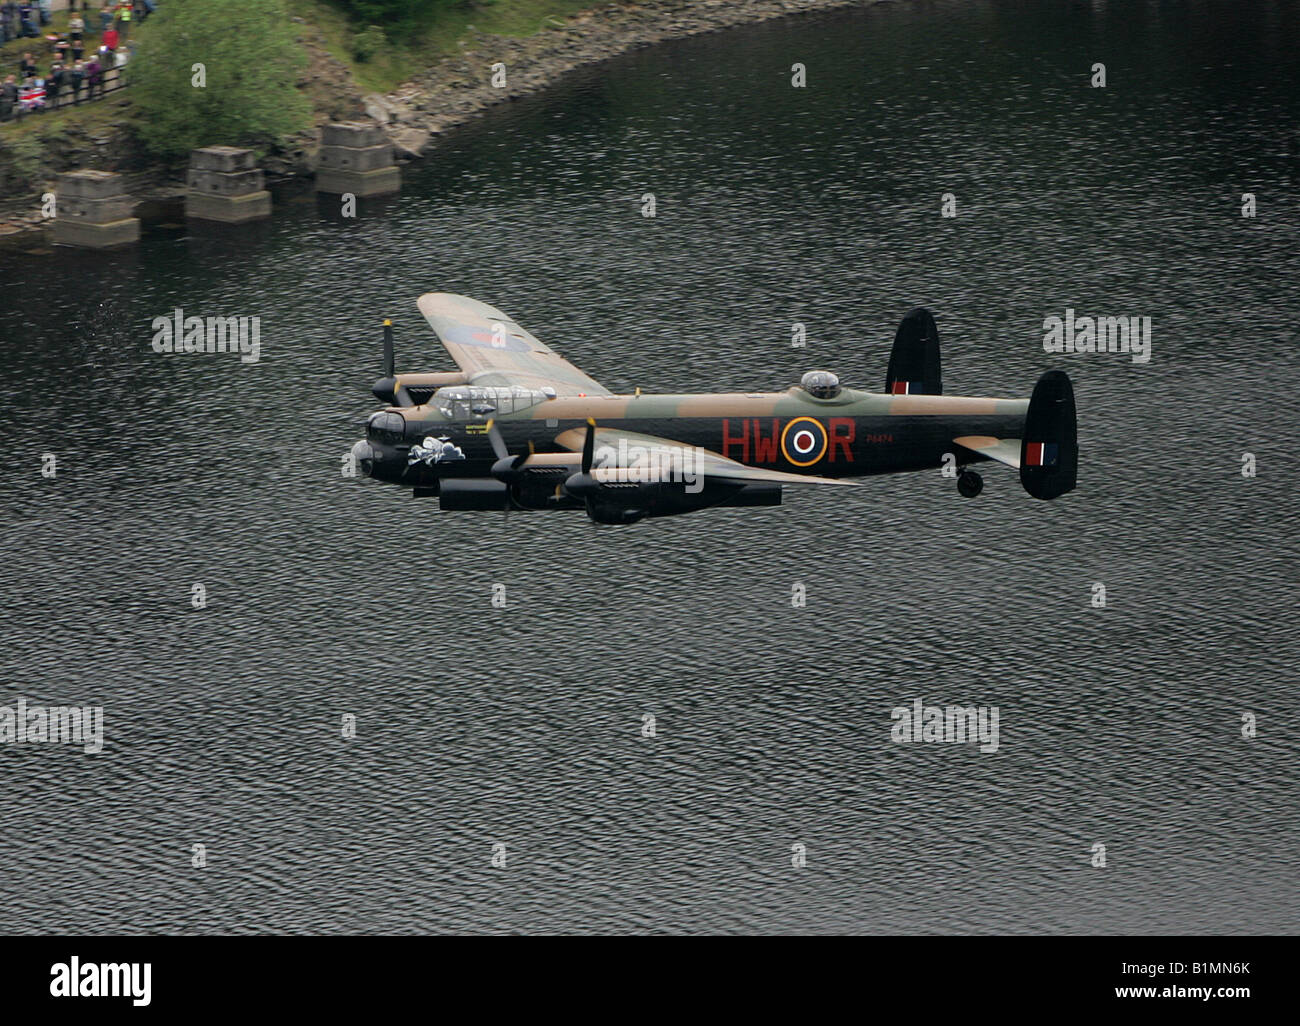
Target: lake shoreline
(459, 89)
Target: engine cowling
(413, 389)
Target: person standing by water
(76, 76)
(8, 98)
(54, 86)
(94, 77)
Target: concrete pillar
(93, 211)
(356, 157)
(223, 185)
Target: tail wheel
(969, 484)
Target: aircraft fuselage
(856, 433)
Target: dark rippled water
(522, 726)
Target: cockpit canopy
(465, 402)
(820, 384)
(385, 427)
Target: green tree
(217, 73)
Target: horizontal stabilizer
(1004, 450)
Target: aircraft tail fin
(1049, 450)
(914, 360)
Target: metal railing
(111, 80)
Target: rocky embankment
(459, 87)
(451, 92)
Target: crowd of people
(96, 41)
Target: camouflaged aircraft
(520, 428)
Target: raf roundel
(803, 442)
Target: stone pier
(356, 157)
(93, 211)
(223, 185)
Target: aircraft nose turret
(363, 457)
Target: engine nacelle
(414, 389)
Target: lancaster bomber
(518, 427)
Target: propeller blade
(582, 485)
(498, 443)
(390, 360)
(506, 468)
(588, 446)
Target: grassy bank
(26, 144)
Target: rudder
(1049, 449)
(914, 360)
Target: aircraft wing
(618, 451)
(493, 350)
(1004, 450)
